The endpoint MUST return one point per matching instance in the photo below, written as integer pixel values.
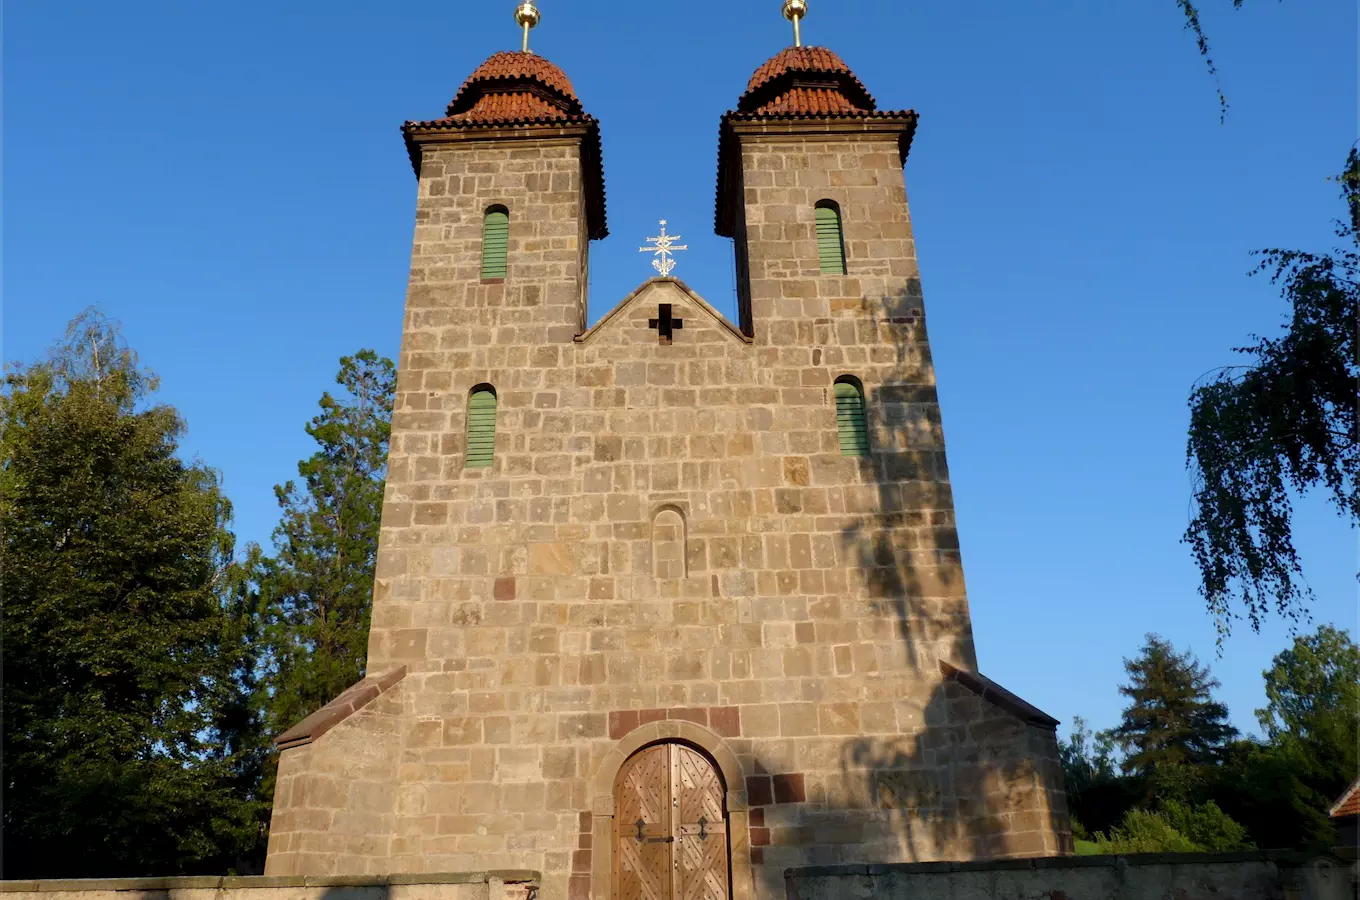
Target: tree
(1097, 797)
(1279, 426)
(1172, 720)
(121, 755)
(1312, 714)
(315, 594)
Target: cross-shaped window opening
(664, 324)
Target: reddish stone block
(758, 816)
(758, 790)
(585, 822)
(578, 887)
(650, 715)
(622, 722)
(505, 589)
(757, 856)
(580, 860)
(726, 720)
(760, 837)
(697, 716)
(584, 841)
(789, 788)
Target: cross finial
(526, 17)
(665, 246)
(794, 10)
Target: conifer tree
(1172, 719)
(315, 593)
(122, 750)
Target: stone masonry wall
(1268, 875)
(539, 605)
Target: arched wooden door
(670, 840)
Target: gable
(638, 318)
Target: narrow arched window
(495, 242)
(481, 427)
(851, 424)
(830, 241)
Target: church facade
(666, 604)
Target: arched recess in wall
(668, 543)
(495, 242)
(481, 427)
(830, 238)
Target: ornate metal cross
(664, 324)
(665, 246)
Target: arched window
(851, 424)
(481, 427)
(495, 242)
(830, 241)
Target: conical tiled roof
(810, 81)
(515, 86)
(516, 89)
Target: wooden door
(670, 840)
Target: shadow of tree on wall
(956, 776)
(963, 770)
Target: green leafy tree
(1285, 423)
(1312, 721)
(1172, 720)
(1097, 796)
(124, 748)
(315, 593)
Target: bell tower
(666, 606)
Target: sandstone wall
(669, 539)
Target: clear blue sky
(228, 180)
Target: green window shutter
(830, 244)
(481, 430)
(850, 420)
(495, 244)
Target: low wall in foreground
(458, 886)
(1268, 875)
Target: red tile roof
(517, 66)
(805, 81)
(1349, 804)
(517, 89)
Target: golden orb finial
(526, 17)
(794, 10)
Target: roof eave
(736, 125)
(584, 128)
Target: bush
(1143, 831)
(1207, 826)
(1175, 828)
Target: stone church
(666, 604)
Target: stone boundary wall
(1264, 875)
(508, 885)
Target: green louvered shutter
(830, 246)
(481, 430)
(850, 423)
(495, 244)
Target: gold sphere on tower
(527, 14)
